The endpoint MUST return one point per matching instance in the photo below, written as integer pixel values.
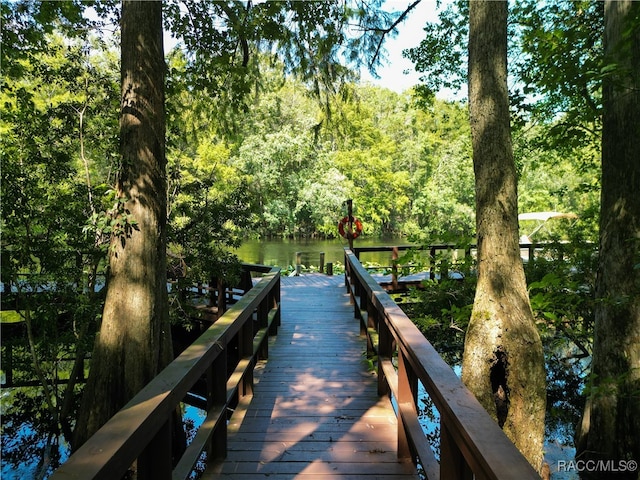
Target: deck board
(315, 412)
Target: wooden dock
(315, 412)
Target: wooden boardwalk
(315, 412)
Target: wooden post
(263, 322)
(155, 460)
(275, 301)
(444, 266)
(298, 263)
(222, 300)
(217, 396)
(330, 268)
(452, 462)
(321, 262)
(350, 217)
(407, 392)
(385, 351)
(394, 268)
(432, 263)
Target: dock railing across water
(141, 430)
(472, 445)
(439, 258)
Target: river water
(282, 252)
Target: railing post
(372, 322)
(394, 268)
(245, 350)
(385, 347)
(363, 304)
(263, 322)
(407, 391)
(155, 460)
(452, 463)
(213, 292)
(432, 263)
(347, 275)
(444, 267)
(216, 397)
(274, 301)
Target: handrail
(433, 250)
(530, 247)
(472, 445)
(141, 430)
(528, 251)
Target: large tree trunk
(503, 362)
(134, 340)
(610, 428)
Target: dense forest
(263, 142)
(283, 167)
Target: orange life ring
(356, 228)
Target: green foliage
(444, 203)
(556, 66)
(561, 284)
(443, 313)
(561, 63)
(208, 212)
(49, 151)
(56, 139)
(227, 44)
(549, 180)
(374, 150)
(441, 55)
(208, 208)
(441, 308)
(562, 293)
(267, 135)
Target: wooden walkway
(315, 412)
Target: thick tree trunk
(610, 428)
(134, 341)
(503, 363)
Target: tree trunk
(503, 362)
(610, 428)
(134, 341)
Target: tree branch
(386, 31)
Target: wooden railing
(225, 356)
(439, 259)
(471, 443)
(439, 255)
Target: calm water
(282, 252)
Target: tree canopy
(268, 132)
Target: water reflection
(282, 252)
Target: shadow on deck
(315, 409)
